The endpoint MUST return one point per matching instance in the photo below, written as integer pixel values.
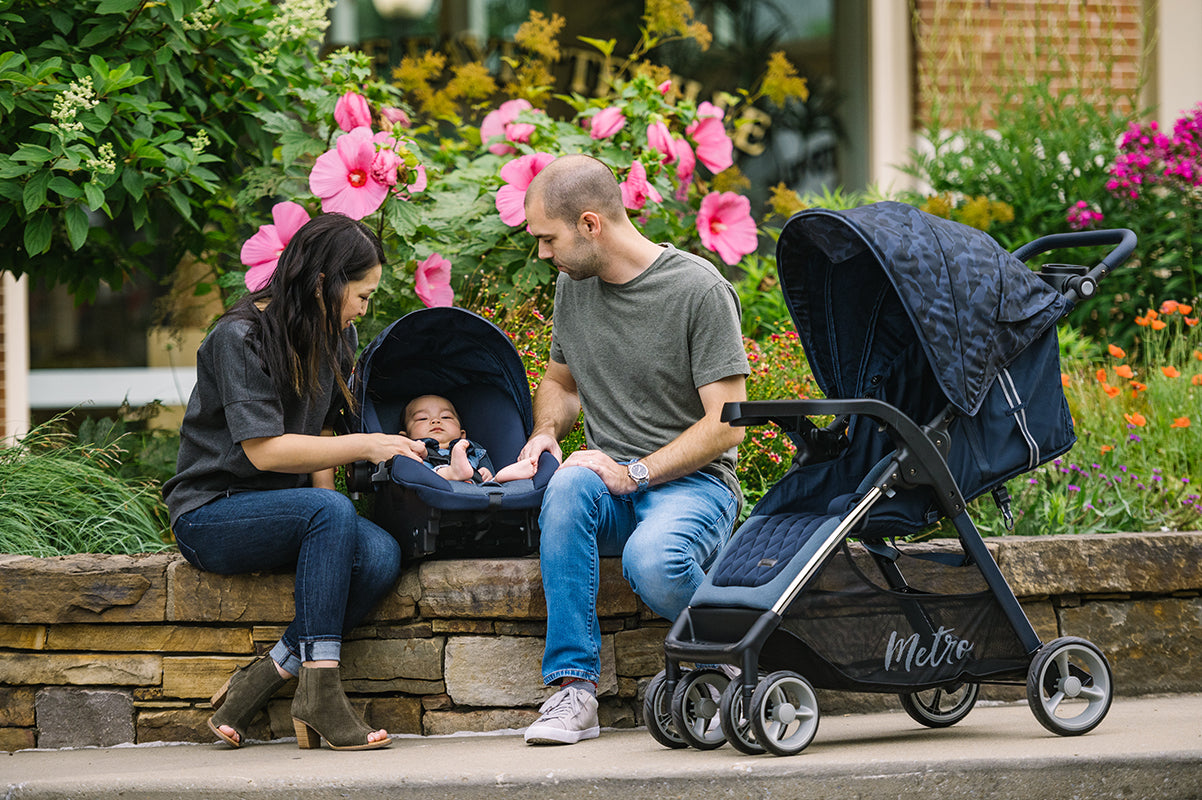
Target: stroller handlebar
(1081, 284)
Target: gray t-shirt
(639, 351)
(234, 400)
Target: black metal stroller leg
(974, 545)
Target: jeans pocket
(189, 554)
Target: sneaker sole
(560, 736)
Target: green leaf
(180, 201)
(116, 6)
(134, 183)
(606, 47)
(64, 187)
(37, 234)
(104, 30)
(34, 195)
(94, 194)
(33, 153)
(77, 225)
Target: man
(646, 340)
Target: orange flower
(1168, 306)
(1124, 371)
(1196, 380)
(1198, 355)
(1106, 448)
(1180, 422)
(1191, 321)
(1111, 391)
(1142, 321)
(1170, 372)
(1116, 351)
(1150, 314)
(1159, 324)
(1138, 387)
(1183, 309)
(1137, 419)
(1065, 380)
(1101, 376)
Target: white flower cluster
(295, 21)
(200, 141)
(105, 161)
(79, 96)
(201, 19)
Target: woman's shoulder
(230, 332)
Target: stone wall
(101, 650)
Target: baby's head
(432, 417)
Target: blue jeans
(344, 564)
(667, 537)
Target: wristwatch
(638, 473)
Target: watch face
(637, 471)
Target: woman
(254, 487)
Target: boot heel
(306, 737)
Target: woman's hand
(383, 446)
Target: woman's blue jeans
(667, 537)
(344, 563)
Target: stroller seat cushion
(763, 547)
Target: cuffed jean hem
(286, 657)
(553, 678)
(321, 650)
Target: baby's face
(432, 417)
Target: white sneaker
(568, 716)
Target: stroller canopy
(973, 306)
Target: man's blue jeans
(344, 564)
(667, 536)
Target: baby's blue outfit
(477, 456)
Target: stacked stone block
(102, 650)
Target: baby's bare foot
(518, 471)
(460, 468)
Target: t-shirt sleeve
(252, 405)
(716, 342)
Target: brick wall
(100, 650)
(968, 52)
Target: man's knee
(570, 483)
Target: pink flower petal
(494, 124)
(342, 177)
(517, 174)
(261, 252)
(288, 217)
(259, 276)
(511, 203)
(433, 281)
(352, 111)
(660, 138)
(714, 148)
(395, 116)
(636, 190)
(725, 225)
(607, 122)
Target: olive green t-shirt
(639, 351)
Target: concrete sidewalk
(1147, 747)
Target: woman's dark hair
(300, 325)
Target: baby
(433, 419)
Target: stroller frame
(778, 713)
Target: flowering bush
(456, 198)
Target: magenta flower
(342, 177)
(498, 122)
(665, 87)
(714, 148)
(607, 122)
(636, 191)
(433, 281)
(351, 111)
(261, 252)
(394, 116)
(660, 138)
(686, 165)
(708, 109)
(726, 227)
(517, 174)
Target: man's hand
(613, 474)
(541, 443)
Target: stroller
(470, 361)
(937, 352)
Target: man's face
(432, 417)
(562, 244)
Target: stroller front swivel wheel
(735, 723)
(695, 707)
(657, 713)
(1069, 686)
(942, 706)
(784, 713)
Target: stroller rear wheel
(735, 723)
(784, 713)
(695, 708)
(942, 706)
(1069, 686)
(657, 713)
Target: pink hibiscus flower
(708, 109)
(517, 174)
(351, 111)
(726, 227)
(660, 138)
(607, 122)
(394, 117)
(433, 281)
(636, 190)
(714, 148)
(261, 252)
(686, 165)
(342, 177)
(499, 122)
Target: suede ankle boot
(243, 696)
(320, 710)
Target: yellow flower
(538, 33)
(784, 201)
(781, 80)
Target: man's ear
(589, 223)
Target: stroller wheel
(695, 708)
(657, 713)
(735, 723)
(943, 706)
(784, 713)
(1069, 686)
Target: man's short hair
(573, 184)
